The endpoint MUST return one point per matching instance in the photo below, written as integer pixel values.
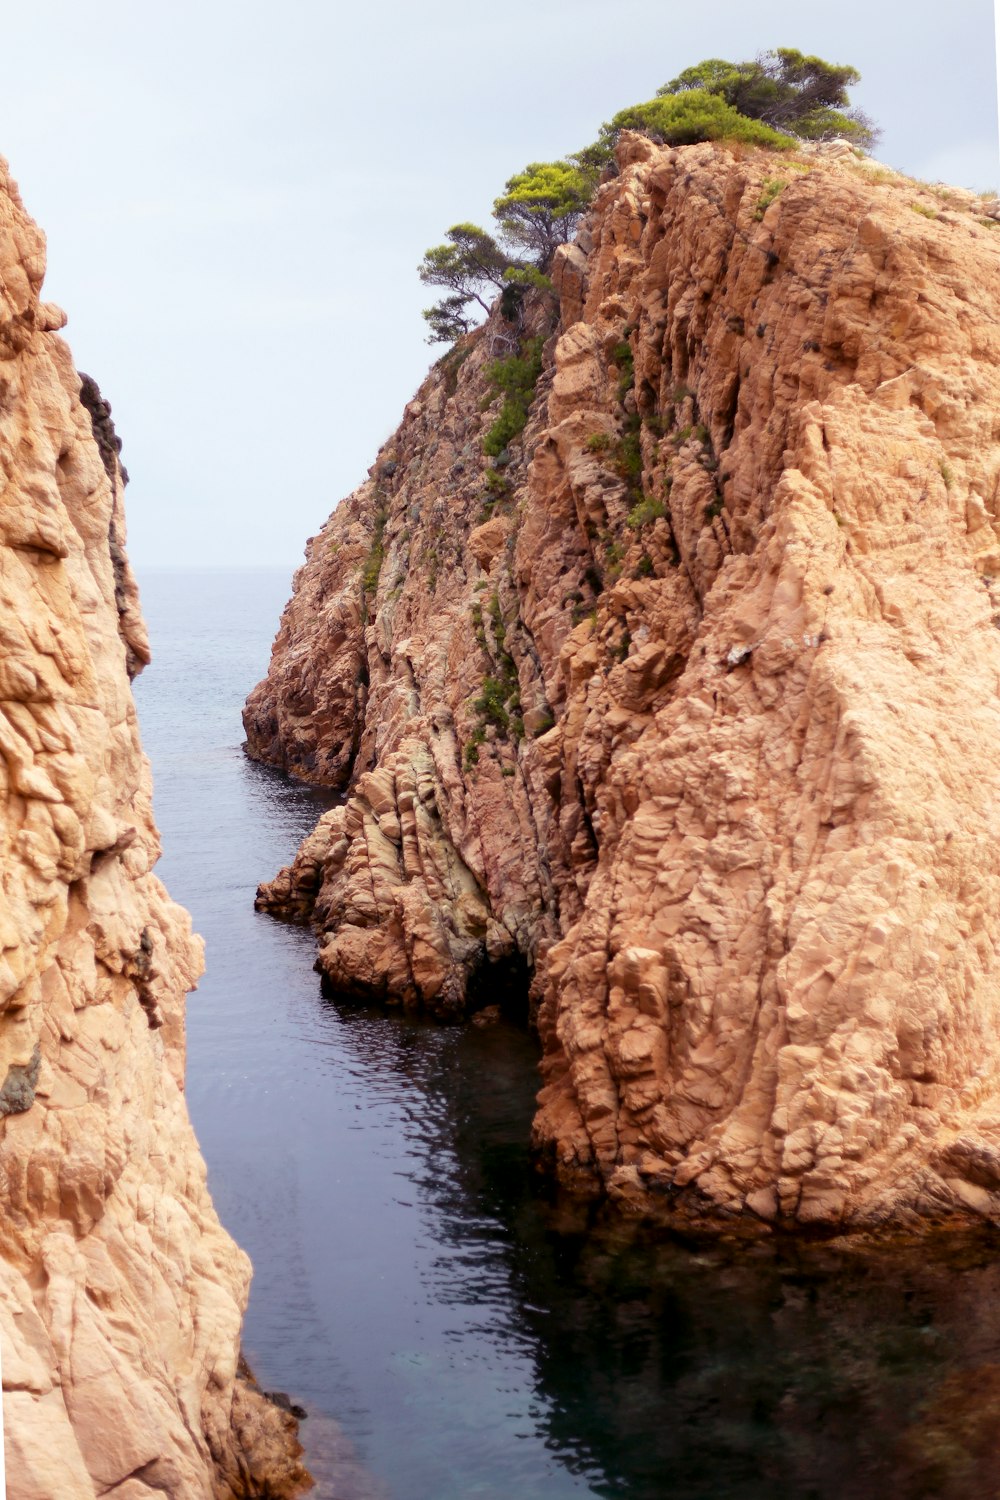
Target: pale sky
(236, 196)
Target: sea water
(454, 1329)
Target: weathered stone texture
(121, 1296)
(748, 844)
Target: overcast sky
(236, 196)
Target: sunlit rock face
(740, 818)
(121, 1296)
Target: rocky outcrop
(692, 703)
(121, 1296)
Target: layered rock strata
(692, 701)
(121, 1297)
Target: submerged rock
(694, 706)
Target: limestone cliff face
(743, 571)
(121, 1296)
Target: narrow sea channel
(452, 1330)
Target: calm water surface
(453, 1332)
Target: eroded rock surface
(741, 820)
(121, 1297)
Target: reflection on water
(454, 1331)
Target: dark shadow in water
(665, 1368)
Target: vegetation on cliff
(777, 99)
(802, 96)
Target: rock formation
(121, 1296)
(691, 702)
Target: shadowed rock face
(121, 1297)
(743, 566)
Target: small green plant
(922, 208)
(714, 508)
(623, 357)
(516, 377)
(499, 700)
(450, 364)
(947, 473)
(496, 617)
(497, 484)
(545, 723)
(628, 458)
(470, 756)
(645, 513)
(477, 625)
(598, 442)
(613, 553)
(376, 556)
(692, 115)
(769, 190)
(644, 567)
(621, 649)
(492, 703)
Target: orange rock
(121, 1296)
(750, 603)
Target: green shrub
(516, 377)
(788, 89)
(477, 625)
(499, 700)
(496, 616)
(376, 555)
(628, 458)
(695, 115)
(450, 364)
(497, 484)
(645, 513)
(492, 702)
(598, 442)
(770, 188)
(471, 755)
(623, 357)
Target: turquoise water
(452, 1328)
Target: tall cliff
(690, 705)
(121, 1296)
